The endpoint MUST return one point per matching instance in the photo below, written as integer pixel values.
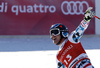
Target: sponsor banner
(34, 17)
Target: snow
(39, 51)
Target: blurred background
(35, 17)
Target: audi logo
(76, 6)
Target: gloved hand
(89, 13)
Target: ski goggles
(54, 32)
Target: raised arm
(77, 34)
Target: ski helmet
(57, 29)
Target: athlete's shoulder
(72, 38)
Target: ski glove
(89, 13)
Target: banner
(35, 17)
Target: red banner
(34, 17)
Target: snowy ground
(39, 51)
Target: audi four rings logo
(76, 10)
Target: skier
(71, 53)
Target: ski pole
(97, 17)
